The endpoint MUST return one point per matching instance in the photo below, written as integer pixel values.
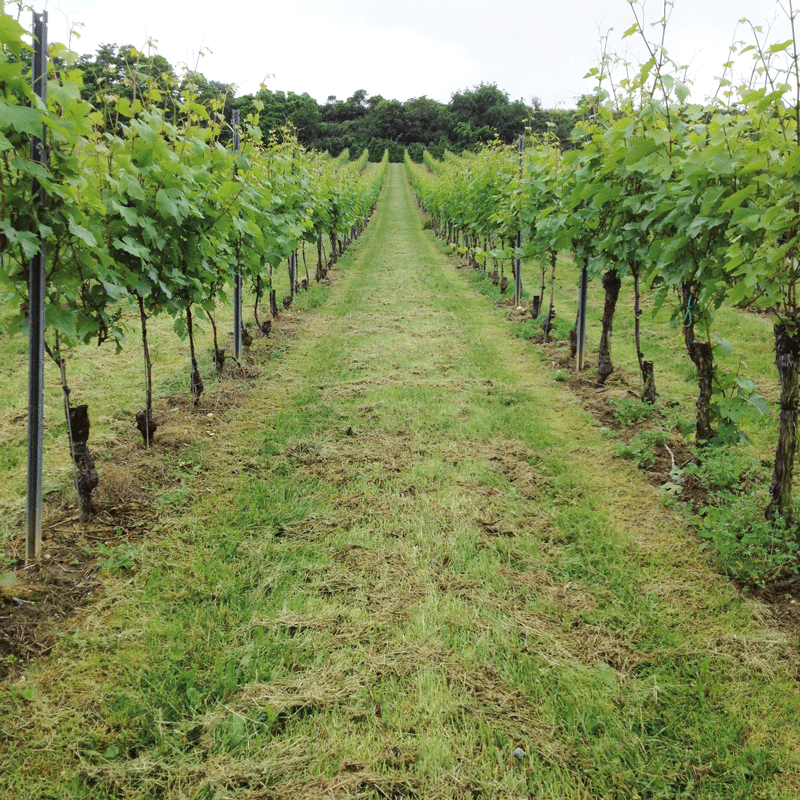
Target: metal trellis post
(518, 261)
(584, 288)
(237, 286)
(36, 301)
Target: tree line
(472, 118)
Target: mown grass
(749, 333)
(410, 567)
(747, 548)
(112, 384)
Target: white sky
(408, 48)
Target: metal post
(36, 301)
(518, 273)
(518, 261)
(584, 288)
(237, 284)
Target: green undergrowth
(743, 340)
(747, 547)
(112, 384)
(411, 568)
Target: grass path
(412, 568)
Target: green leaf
(725, 347)
(640, 149)
(21, 119)
(781, 47)
(129, 245)
(697, 226)
(29, 242)
(758, 402)
(61, 319)
(179, 326)
(127, 109)
(167, 206)
(11, 33)
(132, 187)
(126, 212)
(681, 92)
(737, 198)
(112, 290)
(730, 408)
(79, 232)
(8, 579)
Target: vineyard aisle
(413, 568)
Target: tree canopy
(473, 117)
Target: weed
(7, 578)
(727, 468)
(313, 298)
(641, 448)
(118, 559)
(527, 330)
(628, 411)
(674, 486)
(174, 499)
(190, 459)
(562, 327)
(10, 456)
(749, 547)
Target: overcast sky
(408, 48)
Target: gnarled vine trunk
(703, 358)
(551, 311)
(273, 300)
(787, 360)
(144, 419)
(334, 255)
(611, 284)
(86, 479)
(196, 386)
(77, 418)
(218, 356)
(704, 361)
(648, 383)
(259, 292)
(646, 368)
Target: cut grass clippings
(410, 566)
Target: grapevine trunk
(787, 360)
